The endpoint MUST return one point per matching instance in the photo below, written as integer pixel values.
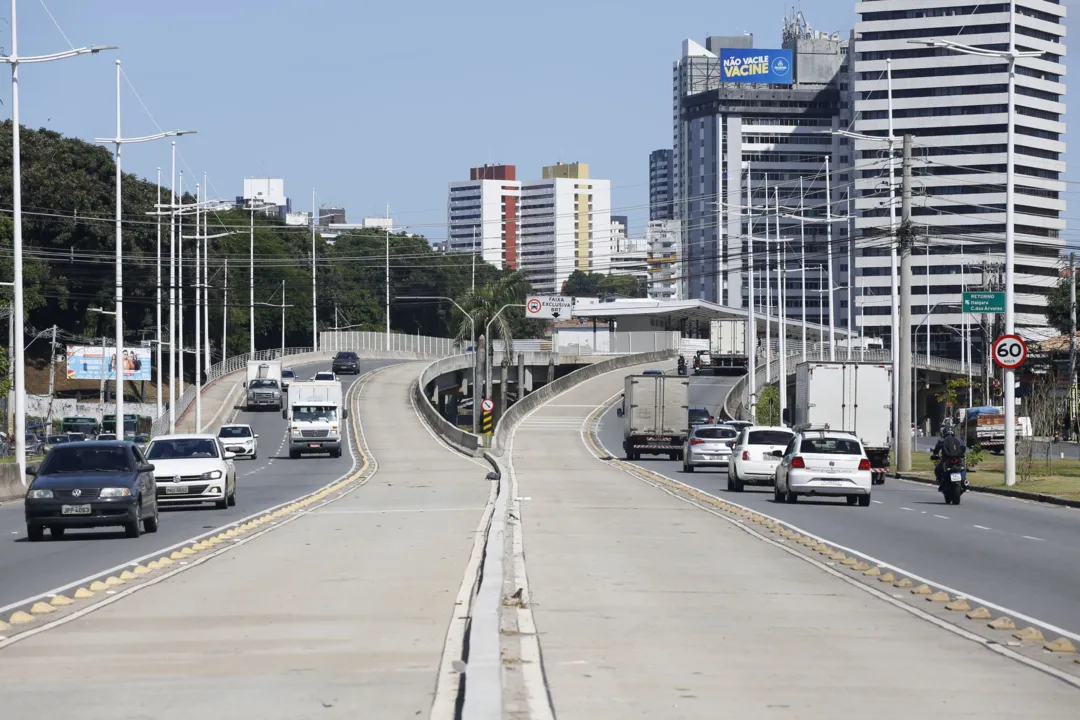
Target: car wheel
(133, 529)
(687, 467)
(777, 496)
(852, 499)
(35, 533)
(864, 501)
(150, 524)
(232, 497)
(293, 455)
(56, 532)
(790, 498)
(255, 456)
(730, 483)
(736, 484)
(223, 503)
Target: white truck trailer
(727, 346)
(316, 415)
(852, 397)
(263, 385)
(654, 411)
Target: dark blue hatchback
(92, 484)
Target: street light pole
(172, 293)
(206, 275)
(751, 320)
(251, 282)
(17, 311)
(314, 304)
(158, 304)
(388, 289)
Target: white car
(240, 440)
(193, 469)
(823, 462)
(324, 376)
(752, 462)
(708, 446)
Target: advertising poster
(769, 67)
(84, 363)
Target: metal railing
(364, 341)
(226, 366)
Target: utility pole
(180, 292)
(198, 314)
(172, 293)
(52, 359)
(225, 314)
(768, 291)
(1072, 341)
(751, 321)
(158, 303)
(101, 393)
(781, 306)
(802, 259)
(388, 288)
(283, 319)
(314, 304)
(829, 259)
(905, 237)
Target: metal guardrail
(737, 402)
(217, 370)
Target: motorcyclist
(948, 447)
(682, 365)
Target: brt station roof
(691, 318)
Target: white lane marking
(945, 517)
(386, 512)
(981, 527)
(908, 509)
(1075, 637)
(877, 502)
(1029, 537)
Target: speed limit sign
(1010, 352)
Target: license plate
(175, 490)
(235, 449)
(957, 477)
(74, 509)
(313, 445)
(831, 483)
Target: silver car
(708, 446)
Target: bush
(974, 456)
(768, 406)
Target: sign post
(539, 307)
(990, 303)
(487, 406)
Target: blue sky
(376, 103)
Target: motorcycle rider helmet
(947, 431)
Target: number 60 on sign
(1009, 352)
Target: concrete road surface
(1020, 555)
(29, 569)
(648, 607)
(340, 614)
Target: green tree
(768, 406)
(1057, 306)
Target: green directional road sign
(984, 302)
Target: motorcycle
(952, 479)
(682, 366)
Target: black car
(287, 376)
(699, 416)
(346, 362)
(92, 484)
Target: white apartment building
(956, 107)
(482, 215)
(664, 244)
(630, 256)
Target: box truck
(316, 415)
(850, 397)
(727, 345)
(654, 412)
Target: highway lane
(1020, 555)
(28, 569)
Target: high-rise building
(663, 240)
(956, 107)
(772, 133)
(565, 225)
(483, 215)
(267, 193)
(661, 179)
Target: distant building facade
(661, 185)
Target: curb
(22, 624)
(1003, 492)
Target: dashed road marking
(877, 502)
(943, 517)
(1029, 537)
(981, 527)
(908, 509)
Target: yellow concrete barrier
(887, 577)
(1002, 623)
(186, 552)
(860, 566)
(98, 586)
(873, 572)
(127, 575)
(60, 601)
(83, 594)
(1029, 634)
(176, 555)
(851, 562)
(941, 597)
(979, 613)
(113, 581)
(959, 605)
(21, 618)
(904, 583)
(154, 565)
(1061, 645)
(4, 626)
(922, 590)
(165, 561)
(141, 570)
(42, 608)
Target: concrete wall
(11, 487)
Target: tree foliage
(582, 284)
(1057, 306)
(768, 406)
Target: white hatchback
(823, 462)
(193, 469)
(708, 446)
(240, 439)
(752, 460)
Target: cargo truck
(985, 427)
(263, 385)
(316, 418)
(727, 346)
(654, 412)
(849, 397)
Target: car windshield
(263, 383)
(718, 433)
(76, 437)
(57, 439)
(698, 415)
(830, 446)
(768, 437)
(324, 376)
(86, 458)
(288, 374)
(177, 449)
(346, 356)
(235, 431)
(106, 436)
(314, 413)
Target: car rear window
(699, 414)
(287, 374)
(73, 458)
(182, 448)
(831, 446)
(769, 437)
(346, 356)
(715, 433)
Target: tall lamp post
(119, 142)
(252, 207)
(18, 313)
(476, 355)
(1011, 56)
(488, 344)
(282, 306)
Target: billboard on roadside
(84, 362)
(771, 67)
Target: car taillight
(745, 455)
(864, 464)
(695, 441)
(797, 462)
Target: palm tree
(485, 300)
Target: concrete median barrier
(11, 485)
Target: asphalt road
(1019, 555)
(29, 569)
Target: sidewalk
(648, 607)
(342, 613)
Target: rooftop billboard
(771, 67)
